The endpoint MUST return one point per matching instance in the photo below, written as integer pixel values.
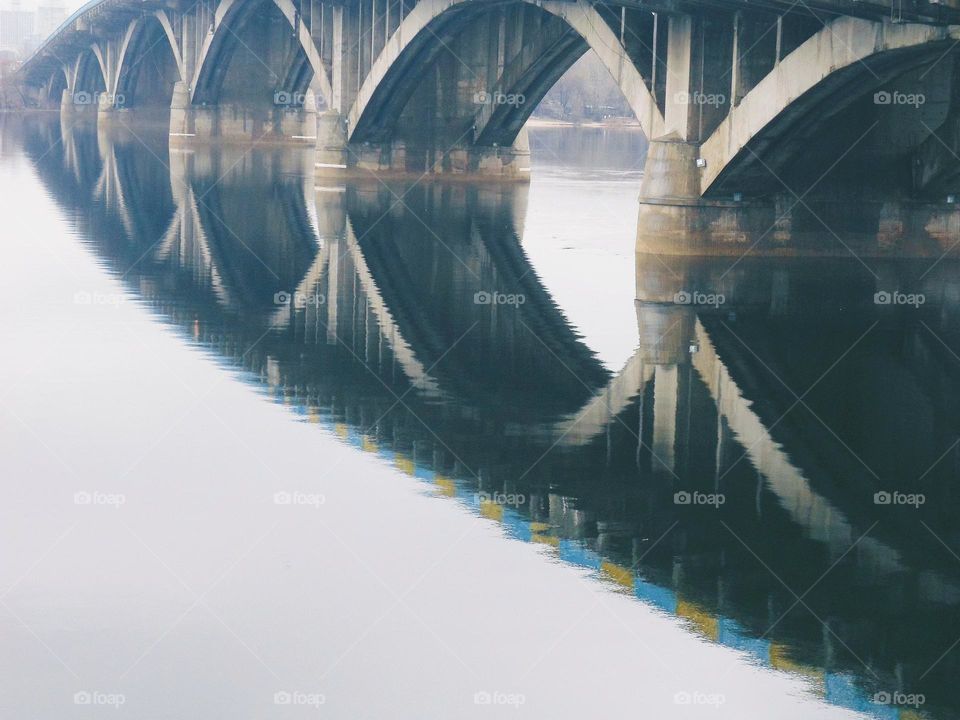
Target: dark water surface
(735, 481)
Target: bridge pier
(233, 122)
(70, 106)
(703, 65)
(337, 157)
(803, 140)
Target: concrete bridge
(755, 114)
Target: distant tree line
(586, 92)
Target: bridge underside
(767, 126)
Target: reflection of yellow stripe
(910, 715)
(545, 540)
(314, 415)
(367, 444)
(341, 430)
(619, 574)
(705, 623)
(780, 659)
(539, 527)
(404, 464)
(446, 486)
(491, 510)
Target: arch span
(86, 81)
(222, 42)
(847, 60)
(149, 64)
(51, 94)
(431, 30)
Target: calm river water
(274, 447)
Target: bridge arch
(149, 64)
(426, 33)
(89, 77)
(303, 69)
(843, 64)
(54, 87)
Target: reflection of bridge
(672, 419)
(349, 255)
(740, 100)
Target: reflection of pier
(201, 259)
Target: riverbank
(10, 98)
(609, 123)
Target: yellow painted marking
(906, 714)
(446, 486)
(705, 623)
(619, 574)
(780, 659)
(491, 510)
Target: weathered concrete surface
(782, 227)
(338, 158)
(799, 81)
(232, 122)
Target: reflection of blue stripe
(841, 690)
(731, 634)
(388, 455)
(574, 552)
(659, 597)
(516, 526)
(881, 712)
(424, 473)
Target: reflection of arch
(186, 243)
(420, 40)
(472, 240)
(821, 519)
(412, 367)
(605, 406)
(218, 46)
(110, 188)
(816, 514)
(213, 228)
(125, 186)
(81, 158)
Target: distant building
(17, 27)
(50, 15)
(9, 60)
(23, 28)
